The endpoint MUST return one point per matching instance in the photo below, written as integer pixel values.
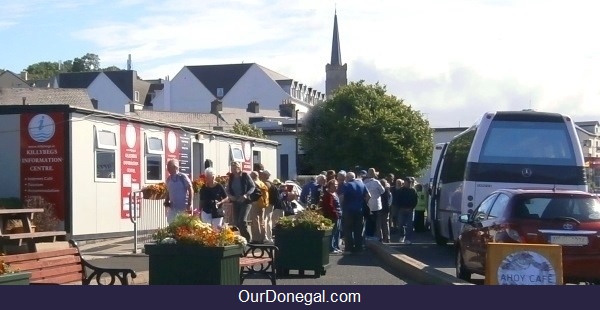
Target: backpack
(263, 199)
(256, 194)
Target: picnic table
(27, 236)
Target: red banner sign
(43, 159)
(130, 165)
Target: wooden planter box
(302, 250)
(19, 278)
(185, 264)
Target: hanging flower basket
(155, 191)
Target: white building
(194, 88)
(86, 162)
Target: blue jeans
(335, 235)
(405, 220)
(240, 218)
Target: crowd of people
(364, 206)
(361, 205)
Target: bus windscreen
(533, 143)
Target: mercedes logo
(526, 172)
(568, 226)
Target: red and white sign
(43, 159)
(247, 163)
(130, 166)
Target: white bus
(505, 149)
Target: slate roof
(41, 96)
(219, 76)
(198, 120)
(76, 79)
(227, 118)
(126, 80)
(274, 75)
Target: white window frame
(105, 148)
(136, 96)
(161, 153)
(241, 153)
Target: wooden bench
(65, 266)
(258, 259)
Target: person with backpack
(239, 190)
(257, 211)
(180, 192)
(274, 201)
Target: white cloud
(452, 59)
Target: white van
(505, 149)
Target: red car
(568, 218)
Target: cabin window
(237, 154)
(105, 155)
(154, 159)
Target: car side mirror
(464, 219)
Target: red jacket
(330, 206)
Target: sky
(451, 60)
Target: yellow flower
(189, 229)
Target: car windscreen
(580, 208)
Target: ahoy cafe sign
(523, 264)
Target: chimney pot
(216, 106)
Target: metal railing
(147, 216)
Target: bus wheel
(439, 240)
(461, 272)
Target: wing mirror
(465, 219)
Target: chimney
(24, 100)
(95, 103)
(216, 106)
(24, 75)
(252, 107)
(129, 108)
(287, 109)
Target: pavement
(365, 268)
(420, 263)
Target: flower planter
(19, 278)
(302, 250)
(188, 264)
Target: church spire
(336, 52)
(335, 72)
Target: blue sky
(452, 60)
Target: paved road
(353, 269)
(425, 249)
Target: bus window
(455, 160)
(521, 142)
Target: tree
(42, 70)
(248, 130)
(111, 68)
(88, 62)
(362, 125)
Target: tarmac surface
(344, 269)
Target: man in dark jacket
(355, 196)
(406, 202)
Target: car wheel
(461, 271)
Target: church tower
(335, 72)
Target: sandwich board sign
(523, 264)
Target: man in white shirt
(180, 191)
(376, 190)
